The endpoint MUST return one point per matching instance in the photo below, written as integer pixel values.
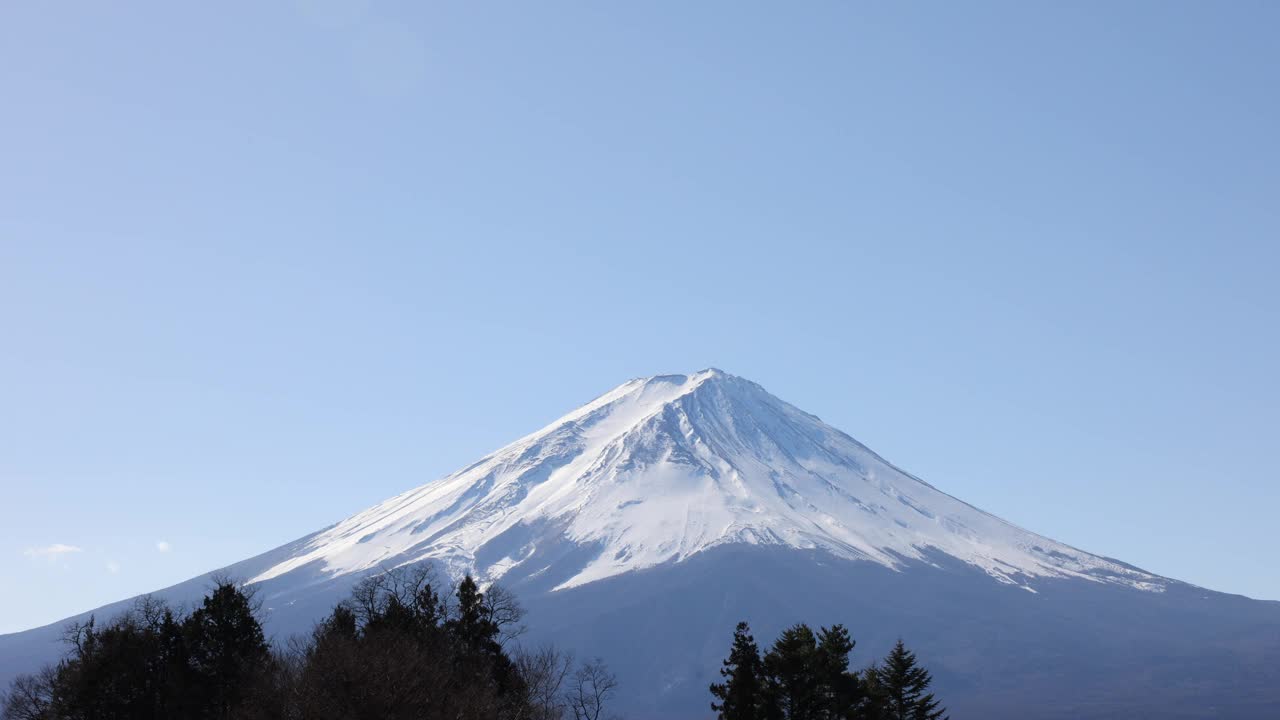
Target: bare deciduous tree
(503, 610)
(544, 672)
(406, 585)
(395, 649)
(30, 696)
(590, 689)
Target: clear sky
(265, 264)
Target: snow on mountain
(662, 468)
(644, 525)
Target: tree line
(806, 676)
(396, 649)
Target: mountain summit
(644, 525)
(661, 468)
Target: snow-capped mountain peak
(661, 468)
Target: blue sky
(265, 264)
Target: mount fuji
(641, 526)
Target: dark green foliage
(394, 650)
(225, 652)
(740, 696)
(470, 624)
(901, 688)
(149, 663)
(791, 665)
(840, 690)
(116, 670)
(806, 676)
(397, 651)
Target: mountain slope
(1071, 651)
(659, 469)
(643, 525)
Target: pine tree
(873, 705)
(472, 625)
(226, 647)
(480, 652)
(902, 688)
(791, 667)
(740, 695)
(839, 689)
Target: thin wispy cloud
(51, 552)
(163, 546)
(113, 567)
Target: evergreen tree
(740, 696)
(226, 648)
(174, 667)
(791, 667)
(472, 625)
(138, 666)
(806, 676)
(902, 688)
(873, 705)
(840, 692)
(393, 651)
(477, 633)
(111, 672)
